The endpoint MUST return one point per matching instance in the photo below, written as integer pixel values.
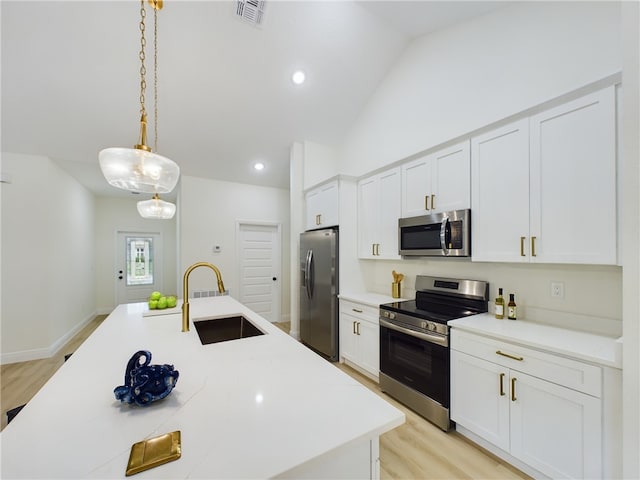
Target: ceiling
(70, 78)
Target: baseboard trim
(48, 352)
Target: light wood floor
(415, 450)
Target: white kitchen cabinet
(437, 182)
(322, 206)
(360, 337)
(500, 193)
(544, 187)
(378, 213)
(543, 409)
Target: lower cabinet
(360, 337)
(552, 423)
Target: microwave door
(445, 235)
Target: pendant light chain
(143, 70)
(155, 78)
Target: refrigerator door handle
(308, 279)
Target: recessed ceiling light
(259, 166)
(298, 77)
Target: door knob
(274, 279)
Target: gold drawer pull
(433, 202)
(513, 357)
(533, 246)
(356, 310)
(426, 202)
(513, 389)
(522, 246)
(501, 385)
(354, 327)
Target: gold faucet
(185, 290)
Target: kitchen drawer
(547, 366)
(359, 310)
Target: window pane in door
(139, 260)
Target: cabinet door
(479, 397)
(322, 206)
(348, 348)
(369, 346)
(368, 215)
(500, 194)
(312, 209)
(556, 430)
(451, 178)
(416, 188)
(389, 211)
(573, 181)
(329, 207)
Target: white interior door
(259, 258)
(138, 269)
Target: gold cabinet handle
(358, 328)
(426, 202)
(508, 355)
(533, 246)
(318, 219)
(377, 249)
(433, 202)
(501, 385)
(353, 324)
(522, 246)
(356, 310)
(513, 389)
(373, 249)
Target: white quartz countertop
(249, 408)
(368, 298)
(589, 347)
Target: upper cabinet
(437, 182)
(322, 206)
(544, 188)
(378, 213)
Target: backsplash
(592, 297)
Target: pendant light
(138, 169)
(156, 208)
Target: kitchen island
(258, 407)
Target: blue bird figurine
(144, 383)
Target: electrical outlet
(557, 289)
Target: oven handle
(428, 337)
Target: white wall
(320, 163)
(631, 238)
(121, 214)
(209, 210)
(48, 258)
(459, 79)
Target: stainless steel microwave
(446, 234)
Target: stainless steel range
(414, 343)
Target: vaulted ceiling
(70, 78)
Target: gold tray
(153, 452)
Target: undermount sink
(214, 330)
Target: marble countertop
(598, 349)
(249, 408)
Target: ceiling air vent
(251, 11)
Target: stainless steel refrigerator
(319, 291)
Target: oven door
(413, 359)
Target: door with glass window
(138, 266)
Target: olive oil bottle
(511, 307)
(499, 305)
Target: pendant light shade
(156, 208)
(138, 170)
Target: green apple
(155, 296)
(153, 304)
(162, 303)
(171, 301)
